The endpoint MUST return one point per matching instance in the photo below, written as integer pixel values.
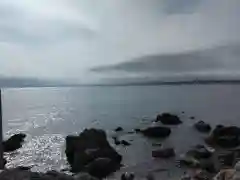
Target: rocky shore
(91, 156)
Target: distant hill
(11, 82)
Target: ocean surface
(48, 115)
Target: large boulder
(100, 167)
(14, 142)
(87, 148)
(84, 176)
(163, 153)
(168, 119)
(203, 127)
(226, 137)
(156, 132)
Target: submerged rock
(14, 142)
(119, 129)
(226, 137)
(85, 151)
(156, 132)
(168, 119)
(203, 127)
(163, 153)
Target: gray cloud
(64, 39)
(209, 61)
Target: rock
(156, 132)
(163, 153)
(156, 144)
(116, 141)
(168, 119)
(199, 152)
(14, 142)
(87, 148)
(226, 158)
(192, 117)
(226, 137)
(203, 127)
(185, 176)
(101, 167)
(137, 130)
(150, 176)
(119, 129)
(58, 175)
(208, 166)
(226, 174)
(202, 175)
(188, 161)
(127, 176)
(18, 174)
(125, 143)
(84, 176)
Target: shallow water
(47, 115)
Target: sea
(48, 115)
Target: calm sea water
(47, 115)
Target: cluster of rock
(22, 173)
(91, 154)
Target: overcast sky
(66, 38)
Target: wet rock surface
(203, 127)
(156, 132)
(14, 142)
(90, 151)
(163, 153)
(225, 137)
(20, 174)
(168, 119)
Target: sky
(67, 39)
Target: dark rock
(116, 141)
(101, 167)
(156, 132)
(89, 146)
(203, 127)
(226, 137)
(226, 158)
(127, 176)
(188, 161)
(183, 112)
(208, 166)
(14, 142)
(199, 152)
(163, 153)
(119, 129)
(125, 143)
(192, 117)
(168, 119)
(203, 175)
(156, 144)
(137, 130)
(18, 174)
(84, 176)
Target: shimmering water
(47, 115)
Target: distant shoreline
(149, 83)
